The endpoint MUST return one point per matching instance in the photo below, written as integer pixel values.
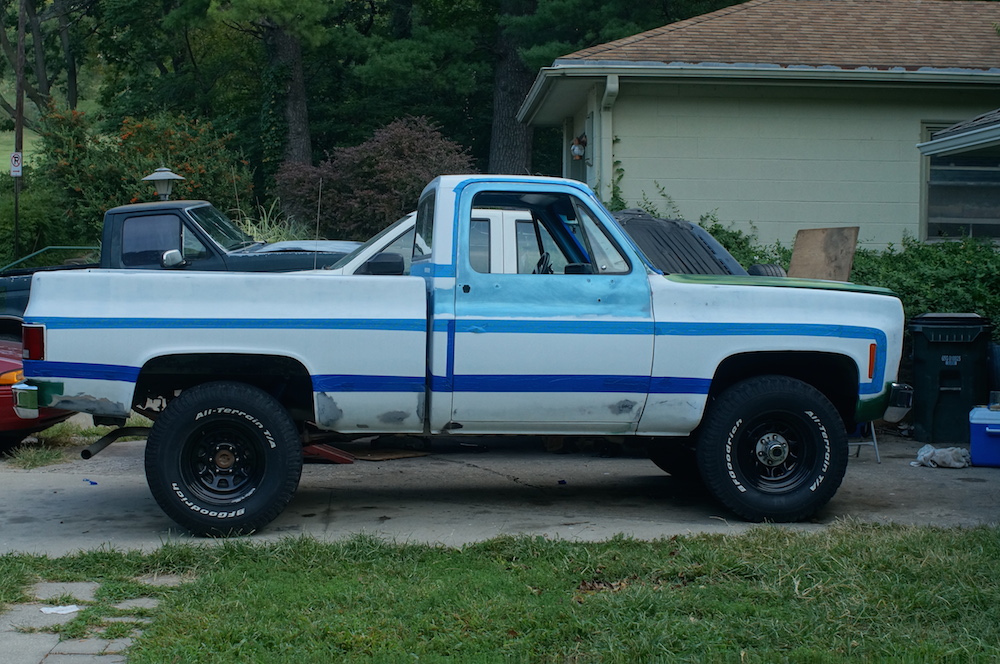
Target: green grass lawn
(31, 140)
(847, 593)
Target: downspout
(606, 166)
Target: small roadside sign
(15, 164)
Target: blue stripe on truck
(390, 324)
(350, 383)
(469, 383)
(43, 369)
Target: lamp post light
(163, 179)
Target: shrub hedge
(961, 276)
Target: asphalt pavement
(457, 493)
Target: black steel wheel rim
(774, 454)
(223, 462)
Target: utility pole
(19, 126)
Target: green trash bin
(950, 374)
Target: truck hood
(777, 282)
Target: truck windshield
(220, 228)
(376, 240)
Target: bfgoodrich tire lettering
(223, 459)
(773, 448)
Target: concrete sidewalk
(24, 635)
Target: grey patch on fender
(393, 417)
(87, 404)
(327, 410)
(623, 407)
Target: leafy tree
(169, 56)
(359, 190)
(96, 171)
(422, 58)
(284, 26)
(56, 47)
(39, 224)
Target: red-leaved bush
(357, 191)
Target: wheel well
(836, 376)
(284, 378)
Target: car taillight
(33, 342)
(12, 377)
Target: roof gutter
(750, 72)
(973, 139)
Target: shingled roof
(845, 34)
(979, 122)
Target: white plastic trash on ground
(946, 457)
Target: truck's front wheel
(223, 459)
(773, 448)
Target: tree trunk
(9, 54)
(38, 42)
(510, 140)
(69, 59)
(401, 19)
(285, 52)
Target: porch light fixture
(163, 179)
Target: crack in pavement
(512, 478)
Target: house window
(963, 194)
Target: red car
(12, 428)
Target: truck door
(557, 336)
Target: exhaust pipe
(111, 437)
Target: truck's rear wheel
(223, 459)
(773, 448)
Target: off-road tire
(223, 459)
(766, 270)
(772, 448)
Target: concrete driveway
(459, 494)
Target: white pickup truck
(526, 311)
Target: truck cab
(549, 299)
(199, 237)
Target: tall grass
(269, 224)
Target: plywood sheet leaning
(824, 253)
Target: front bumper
(900, 402)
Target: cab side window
(533, 242)
(479, 245)
(549, 233)
(605, 256)
(193, 248)
(144, 239)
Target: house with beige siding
(780, 115)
